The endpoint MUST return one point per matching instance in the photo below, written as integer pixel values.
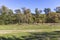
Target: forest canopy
(7, 16)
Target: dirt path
(15, 31)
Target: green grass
(13, 36)
(28, 26)
(18, 34)
(30, 36)
(48, 32)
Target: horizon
(40, 4)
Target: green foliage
(47, 10)
(57, 9)
(7, 16)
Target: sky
(31, 4)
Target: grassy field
(29, 26)
(31, 36)
(47, 32)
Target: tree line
(7, 16)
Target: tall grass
(29, 26)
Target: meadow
(45, 31)
(55, 35)
(30, 26)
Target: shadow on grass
(36, 36)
